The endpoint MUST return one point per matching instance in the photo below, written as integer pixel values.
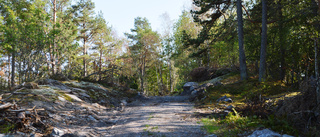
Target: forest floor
(158, 116)
(68, 109)
(146, 117)
(71, 108)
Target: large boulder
(267, 133)
(189, 87)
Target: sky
(120, 14)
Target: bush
(201, 74)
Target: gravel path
(158, 117)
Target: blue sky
(121, 13)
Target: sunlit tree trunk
(52, 48)
(84, 53)
(100, 65)
(170, 76)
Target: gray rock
(218, 83)
(212, 135)
(91, 118)
(62, 99)
(28, 113)
(285, 135)
(224, 99)
(194, 92)
(56, 132)
(192, 88)
(190, 84)
(228, 100)
(84, 95)
(74, 98)
(3, 135)
(226, 112)
(78, 90)
(189, 87)
(265, 133)
(69, 135)
(230, 107)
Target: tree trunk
(159, 88)
(84, 58)
(282, 39)
(242, 56)
(316, 70)
(100, 65)
(53, 59)
(161, 79)
(317, 43)
(13, 67)
(142, 75)
(263, 50)
(170, 76)
(9, 78)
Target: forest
(46, 38)
(263, 40)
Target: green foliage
(234, 124)
(231, 125)
(242, 94)
(143, 49)
(6, 127)
(279, 124)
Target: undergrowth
(254, 102)
(6, 127)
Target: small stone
(21, 133)
(228, 100)
(22, 115)
(230, 107)
(101, 124)
(28, 113)
(226, 112)
(212, 135)
(91, 118)
(69, 135)
(264, 133)
(222, 98)
(56, 132)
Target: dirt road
(158, 117)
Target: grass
(155, 128)
(231, 125)
(242, 92)
(150, 117)
(6, 128)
